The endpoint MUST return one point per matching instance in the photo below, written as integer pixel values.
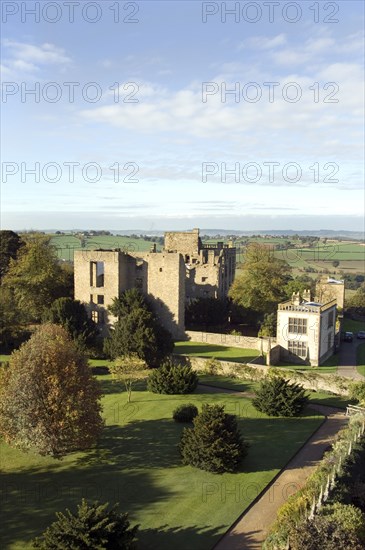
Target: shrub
(277, 397)
(357, 392)
(172, 378)
(185, 413)
(93, 526)
(212, 366)
(214, 443)
(337, 527)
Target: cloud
(27, 58)
(45, 54)
(263, 42)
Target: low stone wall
(246, 342)
(309, 380)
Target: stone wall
(229, 340)
(185, 242)
(310, 381)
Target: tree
(214, 443)
(261, 285)
(172, 378)
(278, 397)
(72, 315)
(137, 330)
(10, 243)
(92, 527)
(36, 279)
(206, 312)
(335, 263)
(268, 325)
(49, 401)
(358, 299)
(129, 369)
(300, 284)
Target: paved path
(250, 530)
(347, 360)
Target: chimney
(153, 248)
(307, 295)
(295, 298)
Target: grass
(320, 397)
(197, 349)
(137, 464)
(330, 365)
(352, 326)
(360, 359)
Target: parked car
(349, 336)
(361, 334)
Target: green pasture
(66, 244)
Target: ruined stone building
(184, 270)
(210, 268)
(306, 329)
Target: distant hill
(329, 233)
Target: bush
(357, 392)
(212, 366)
(337, 527)
(93, 526)
(214, 443)
(172, 378)
(185, 413)
(278, 397)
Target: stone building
(101, 275)
(210, 268)
(331, 289)
(186, 269)
(306, 330)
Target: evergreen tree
(137, 331)
(214, 443)
(72, 315)
(172, 378)
(278, 397)
(92, 527)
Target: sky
(179, 114)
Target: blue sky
(149, 98)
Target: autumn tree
(129, 369)
(261, 285)
(93, 527)
(35, 278)
(49, 401)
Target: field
(320, 256)
(67, 244)
(137, 464)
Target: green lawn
(197, 349)
(352, 326)
(360, 359)
(137, 464)
(328, 366)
